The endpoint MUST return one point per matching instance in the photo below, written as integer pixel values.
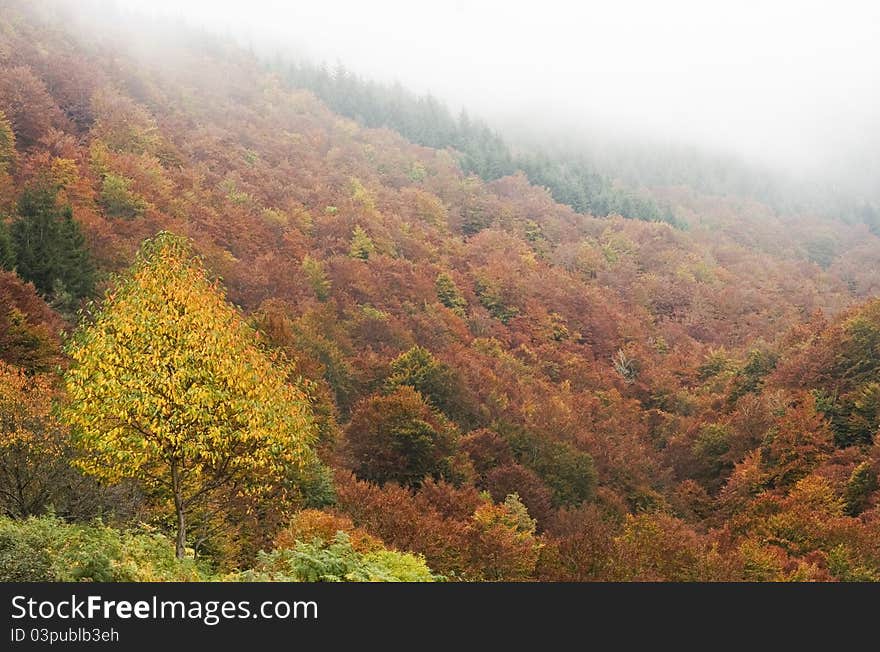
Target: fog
(793, 84)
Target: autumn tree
(123, 124)
(29, 329)
(169, 386)
(864, 414)
(461, 532)
(800, 441)
(516, 479)
(658, 547)
(580, 547)
(862, 483)
(33, 445)
(503, 542)
(27, 104)
(399, 438)
(7, 144)
(486, 449)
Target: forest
(264, 322)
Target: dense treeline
(427, 121)
(311, 350)
(660, 164)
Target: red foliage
(29, 329)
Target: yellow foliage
(169, 385)
(64, 172)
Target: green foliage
(50, 250)
(7, 249)
(338, 561)
(362, 246)
(417, 172)
(492, 299)
(317, 277)
(570, 473)
(515, 515)
(846, 568)
(862, 483)
(449, 295)
(863, 415)
(26, 550)
(7, 144)
(858, 359)
(710, 449)
(436, 382)
(47, 549)
(474, 217)
(236, 196)
(848, 392)
(118, 200)
(362, 196)
(314, 484)
(822, 250)
(717, 363)
(573, 181)
(311, 337)
(750, 377)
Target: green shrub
(337, 561)
(48, 549)
(118, 200)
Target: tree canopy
(169, 386)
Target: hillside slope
(667, 403)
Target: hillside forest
(264, 321)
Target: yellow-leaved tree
(169, 386)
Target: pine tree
(361, 244)
(317, 277)
(49, 247)
(7, 252)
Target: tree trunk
(180, 544)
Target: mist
(792, 85)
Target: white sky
(792, 82)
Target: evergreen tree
(7, 252)
(427, 121)
(361, 244)
(49, 247)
